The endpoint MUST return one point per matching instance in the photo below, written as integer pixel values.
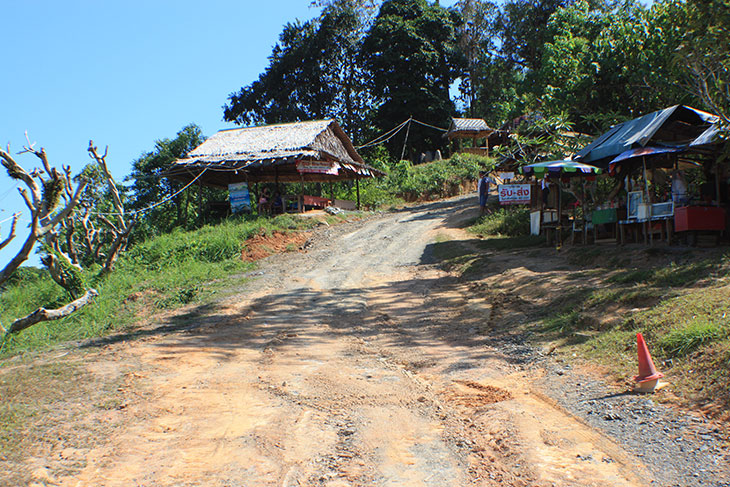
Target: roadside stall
(707, 209)
(549, 175)
(302, 152)
(653, 180)
(648, 156)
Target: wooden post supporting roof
(357, 186)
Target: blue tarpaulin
(639, 132)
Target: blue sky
(124, 74)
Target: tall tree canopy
(615, 63)
(411, 54)
(372, 64)
(149, 187)
(314, 72)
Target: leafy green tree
(606, 65)
(150, 188)
(704, 53)
(476, 34)
(523, 30)
(412, 58)
(314, 72)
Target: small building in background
(475, 129)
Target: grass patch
(505, 222)
(560, 322)
(165, 272)
(681, 342)
(455, 257)
(585, 256)
(673, 275)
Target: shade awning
(562, 167)
(676, 125)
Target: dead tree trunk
(43, 314)
(46, 190)
(123, 228)
(41, 195)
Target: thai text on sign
(514, 194)
(318, 167)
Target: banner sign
(318, 167)
(240, 197)
(514, 194)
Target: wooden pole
(717, 183)
(357, 187)
(300, 203)
(646, 180)
(559, 227)
(200, 201)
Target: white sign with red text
(318, 167)
(514, 194)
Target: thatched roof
(273, 153)
(468, 128)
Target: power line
(168, 198)
(377, 140)
(385, 137)
(430, 126)
(10, 218)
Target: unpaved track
(356, 363)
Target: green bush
(436, 179)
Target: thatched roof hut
(468, 128)
(313, 151)
(475, 129)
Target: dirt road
(355, 364)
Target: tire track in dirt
(349, 365)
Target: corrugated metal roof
(639, 131)
(468, 125)
(708, 137)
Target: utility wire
(10, 218)
(430, 126)
(143, 210)
(380, 139)
(6, 193)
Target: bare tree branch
(40, 203)
(11, 235)
(121, 232)
(43, 314)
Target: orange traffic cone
(648, 377)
